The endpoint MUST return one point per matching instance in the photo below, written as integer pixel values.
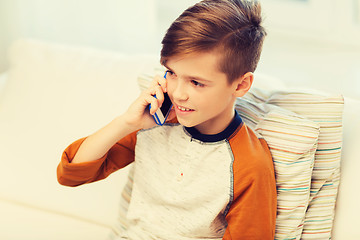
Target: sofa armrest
(347, 208)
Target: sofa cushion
(327, 112)
(20, 221)
(292, 140)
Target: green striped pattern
(145, 79)
(121, 225)
(292, 140)
(327, 112)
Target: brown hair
(230, 27)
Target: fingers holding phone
(162, 112)
(152, 106)
(158, 98)
(159, 81)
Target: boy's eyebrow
(165, 65)
(188, 76)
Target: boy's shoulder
(250, 149)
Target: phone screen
(166, 106)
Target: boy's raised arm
(88, 159)
(136, 117)
(98, 144)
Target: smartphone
(162, 113)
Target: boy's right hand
(139, 116)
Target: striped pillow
(145, 79)
(327, 112)
(121, 224)
(292, 141)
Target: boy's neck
(235, 122)
(215, 127)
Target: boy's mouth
(184, 109)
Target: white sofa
(54, 94)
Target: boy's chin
(185, 123)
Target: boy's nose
(180, 93)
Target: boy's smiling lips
(181, 109)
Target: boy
(204, 174)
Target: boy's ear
(243, 84)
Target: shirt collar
(230, 130)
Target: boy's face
(201, 94)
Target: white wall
(5, 34)
(120, 25)
(310, 43)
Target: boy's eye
(169, 74)
(197, 84)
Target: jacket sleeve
(252, 213)
(74, 174)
